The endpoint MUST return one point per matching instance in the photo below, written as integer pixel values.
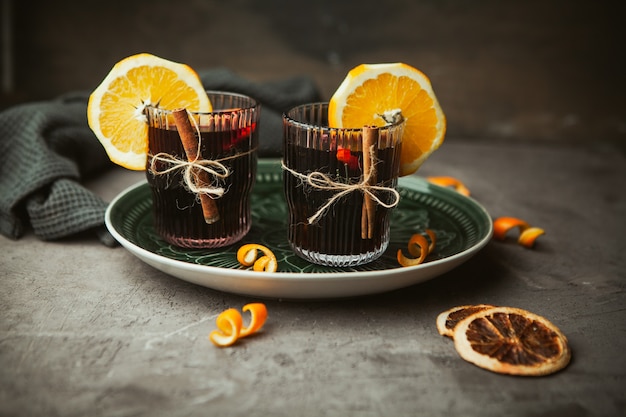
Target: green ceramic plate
(462, 226)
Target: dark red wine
(337, 233)
(178, 215)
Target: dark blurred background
(534, 70)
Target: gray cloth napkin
(47, 149)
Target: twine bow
(214, 168)
(323, 182)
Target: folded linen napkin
(47, 149)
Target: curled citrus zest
(502, 225)
(527, 237)
(229, 324)
(265, 264)
(247, 256)
(415, 249)
(258, 315)
(419, 247)
(416, 243)
(450, 182)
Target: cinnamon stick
(191, 143)
(370, 145)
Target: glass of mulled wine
(340, 186)
(201, 168)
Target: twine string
(324, 182)
(215, 169)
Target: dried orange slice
(374, 94)
(115, 108)
(447, 321)
(511, 341)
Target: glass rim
(254, 104)
(305, 125)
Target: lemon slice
(375, 94)
(115, 108)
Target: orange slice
(447, 321)
(374, 94)
(511, 341)
(115, 111)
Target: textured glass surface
(327, 183)
(224, 162)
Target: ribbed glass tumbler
(201, 168)
(340, 186)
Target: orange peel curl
(247, 255)
(230, 324)
(528, 234)
(527, 237)
(419, 247)
(258, 315)
(446, 181)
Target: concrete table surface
(91, 330)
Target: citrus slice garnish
(511, 341)
(447, 321)
(115, 111)
(375, 94)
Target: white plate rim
(296, 285)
